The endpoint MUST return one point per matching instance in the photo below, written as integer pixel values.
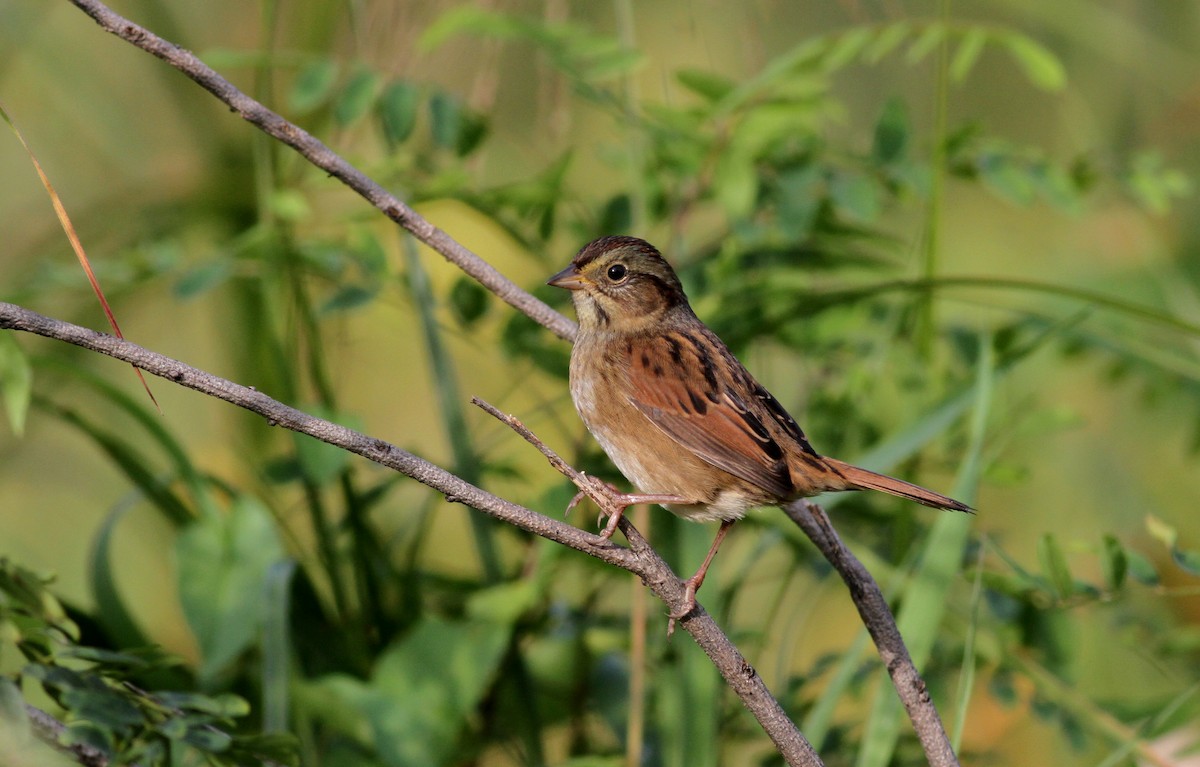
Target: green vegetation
(957, 249)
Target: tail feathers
(862, 479)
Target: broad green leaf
(469, 300)
(222, 565)
(427, 685)
(313, 85)
(398, 110)
(356, 97)
(504, 603)
(16, 382)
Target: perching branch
(877, 617)
(639, 558)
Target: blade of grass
(966, 684)
(130, 461)
(925, 597)
(110, 608)
(445, 381)
(276, 646)
(117, 398)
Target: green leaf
(845, 47)
(289, 205)
(426, 686)
(1162, 532)
(222, 565)
(111, 611)
(886, 40)
(1141, 569)
(313, 85)
(469, 300)
(1054, 566)
(1040, 65)
(1007, 177)
(202, 278)
(445, 112)
(1113, 563)
(348, 297)
(855, 196)
(398, 111)
(16, 382)
(1187, 560)
(929, 39)
(967, 53)
(356, 97)
(708, 85)
(735, 183)
(891, 133)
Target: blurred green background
(822, 203)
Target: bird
(683, 420)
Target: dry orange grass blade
(76, 245)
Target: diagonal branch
(639, 558)
(313, 150)
(877, 617)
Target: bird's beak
(568, 278)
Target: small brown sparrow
(672, 407)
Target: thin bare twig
(877, 617)
(639, 558)
(313, 150)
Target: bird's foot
(613, 502)
(690, 587)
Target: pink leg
(692, 585)
(618, 502)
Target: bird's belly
(654, 462)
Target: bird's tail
(862, 479)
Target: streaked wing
(676, 383)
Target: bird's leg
(692, 585)
(613, 503)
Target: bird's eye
(617, 272)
